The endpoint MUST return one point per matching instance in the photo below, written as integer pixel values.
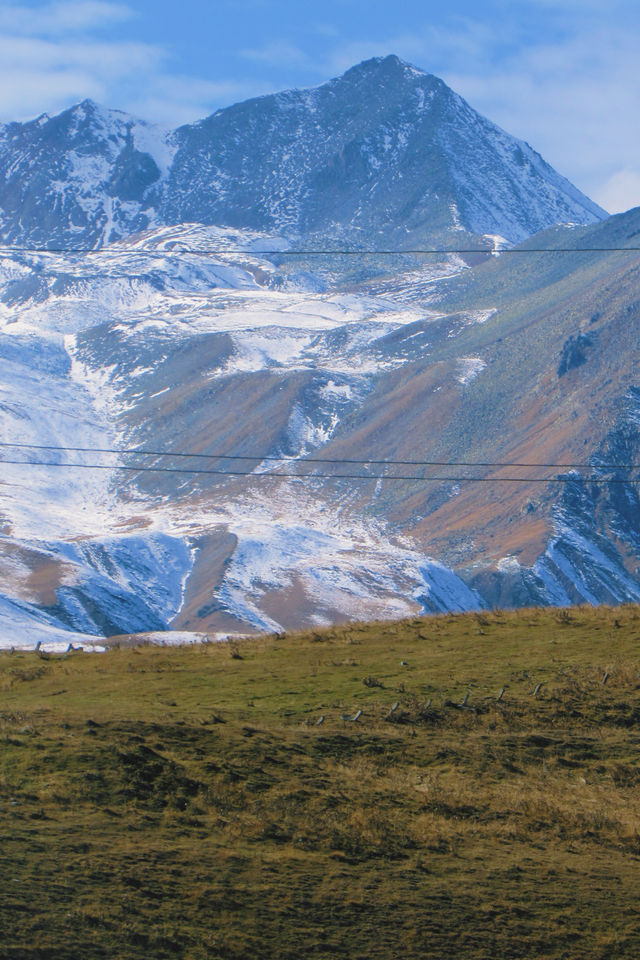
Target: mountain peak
(87, 105)
(387, 68)
(85, 111)
(388, 64)
(89, 110)
(84, 119)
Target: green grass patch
(185, 802)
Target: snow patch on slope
(468, 368)
(157, 141)
(41, 403)
(117, 585)
(345, 566)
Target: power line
(315, 476)
(10, 251)
(130, 451)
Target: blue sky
(561, 74)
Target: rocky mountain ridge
(384, 154)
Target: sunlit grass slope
(186, 803)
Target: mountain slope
(385, 153)
(549, 376)
(526, 358)
(157, 351)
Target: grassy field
(186, 802)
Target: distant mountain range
(384, 154)
(390, 390)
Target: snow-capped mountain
(309, 392)
(80, 178)
(384, 153)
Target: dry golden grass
(185, 803)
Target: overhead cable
(260, 458)
(9, 251)
(317, 476)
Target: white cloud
(621, 191)
(180, 99)
(61, 90)
(63, 17)
(108, 60)
(326, 30)
(52, 56)
(279, 53)
(38, 75)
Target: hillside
(526, 358)
(189, 802)
(531, 359)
